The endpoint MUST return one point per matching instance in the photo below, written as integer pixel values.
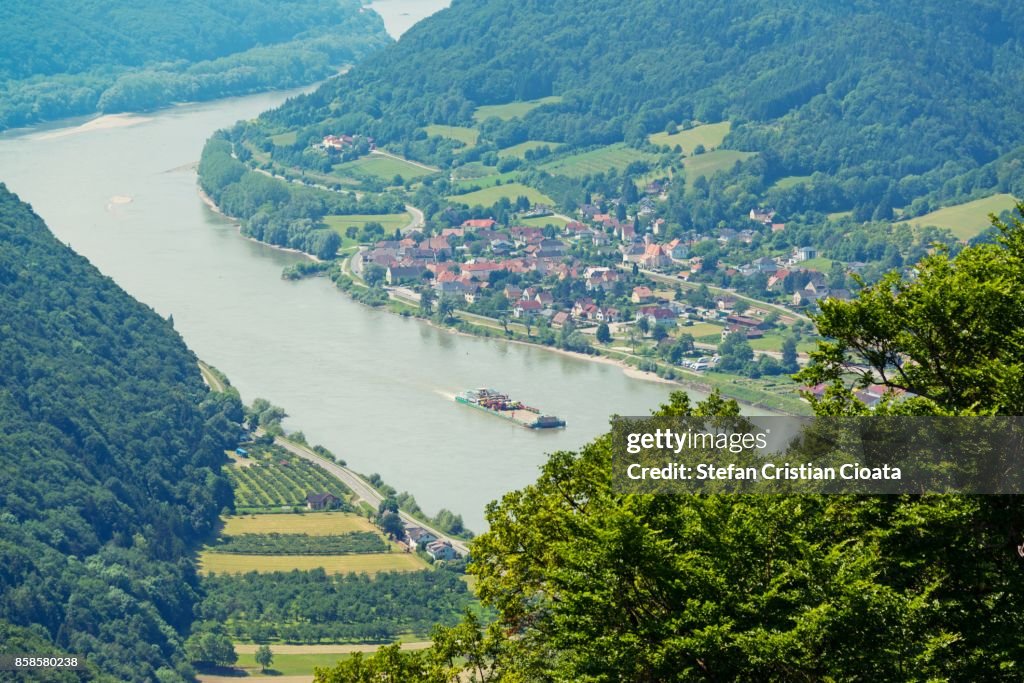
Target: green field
(371, 563)
(284, 139)
(269, 481)
(773, 342)
(380, 167)
(289, 664)
(966, 220)
(702, 329)
(542, 221)
(791, 181)
(512, 109)
(311, 524)
(490, 195)
(710, 135)
(467, 136)
(481, 182)
(522, 148)
(711, 163)
(617, 156)
(390, 221)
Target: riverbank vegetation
(64, 58)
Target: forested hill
(111, 450)
(880, 97)
(69, 57)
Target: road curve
(362, 488)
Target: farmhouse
(321, 501)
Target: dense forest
(63, 58)
(875, 104)
(112, 450)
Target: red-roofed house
(475, 223)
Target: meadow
(311, 524)
(467, 136)
(489, 195)
(522, 148)
(381, 168)
(969, 219)
(511, 109)
(712, 162)
(710, 135)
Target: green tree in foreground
(604, 334)
(264, 657)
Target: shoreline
(627, 369)
(212, 205)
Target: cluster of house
(339, 143)
(418, 538)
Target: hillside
(866, 101)
(111, 475)
(62, 58)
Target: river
(373, 387)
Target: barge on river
(499, 404)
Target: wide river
(373, 387)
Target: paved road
(363, 489)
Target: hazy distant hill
(110, 454)
(887, 100)
(67, 57)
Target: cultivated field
(390, 221)
(512, 109)
(473, 183)
(467, 136)
(490, 195)
(710, 135)
(311, 523)
(712, 162)
(966, 220)
(380, 167)
(617, 156)
(522, 148)
(372, 563)
(273, 481)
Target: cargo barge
(499, 404)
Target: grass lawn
(522, 148)
(490, 195)
(702, 329)
(617, 156)
(821, 263)
(284, 139)
(312, 523)
(289, 664)
(966, 220)
(467, 136)
(512, 109)
(542, 221)
(710, 135)
(390, 221)
(791, 181)
(712, 162)
(366, 563)
(773, 342)
(384, 168)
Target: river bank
(212, 205)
